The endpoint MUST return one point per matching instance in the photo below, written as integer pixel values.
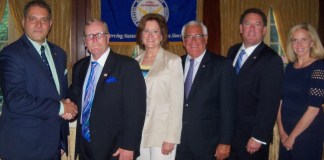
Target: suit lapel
(252, 58)
(82, 70)
(107, 69)
(234, 52)
(157, 64)
(35, 55)
(38, 60)
(57, 64)
(200, 71)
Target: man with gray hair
(210, 99)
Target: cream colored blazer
(164, 88)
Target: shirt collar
(198, 59)
(37, 45)
(103, 58)
(248, 50)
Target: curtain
(95, 9)
(16, 8)
(230, 12)
(288, 13)
(2, 8)
(61, 27)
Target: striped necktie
(87, 102)
(239, 61)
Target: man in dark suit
(209, 104)
(112, 88)
(259, 77)
(34, 84)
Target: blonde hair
(316, 51)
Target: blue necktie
(44, 59)
(87, 102)
(188, 81)
(239, 62)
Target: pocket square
(111, 79)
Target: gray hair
(194, 23)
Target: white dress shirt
(248, 52)
(196, 65)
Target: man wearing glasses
(110, 92)
(210, 99)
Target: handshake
(70, 109)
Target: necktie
(188, 81)
(44, 59)
(239, 62)
(87, 102)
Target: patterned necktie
(87, 102)
(239, 62)
(44, 59)
(188, 81)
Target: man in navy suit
(209, 104)
(110, 91)
(259, 76)
(34, 85)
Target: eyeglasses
(34, 20)
(197, 36)
(99, 35)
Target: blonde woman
(300, 116)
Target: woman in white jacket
(163, 75)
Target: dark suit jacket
(209, 110)
(259, 88)
(30, 122)
(118, 110)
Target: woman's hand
(283, 135)
(289, 143)
(167, 148)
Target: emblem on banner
(143, 7)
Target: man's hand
(252, 146)
(222, 151)
(167, 148)
(70, 109)
(124, 154)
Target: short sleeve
(316, 85)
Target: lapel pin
(105, 74)
(254, 57)
(55, 53)
(203, 66)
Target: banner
(123, 16)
